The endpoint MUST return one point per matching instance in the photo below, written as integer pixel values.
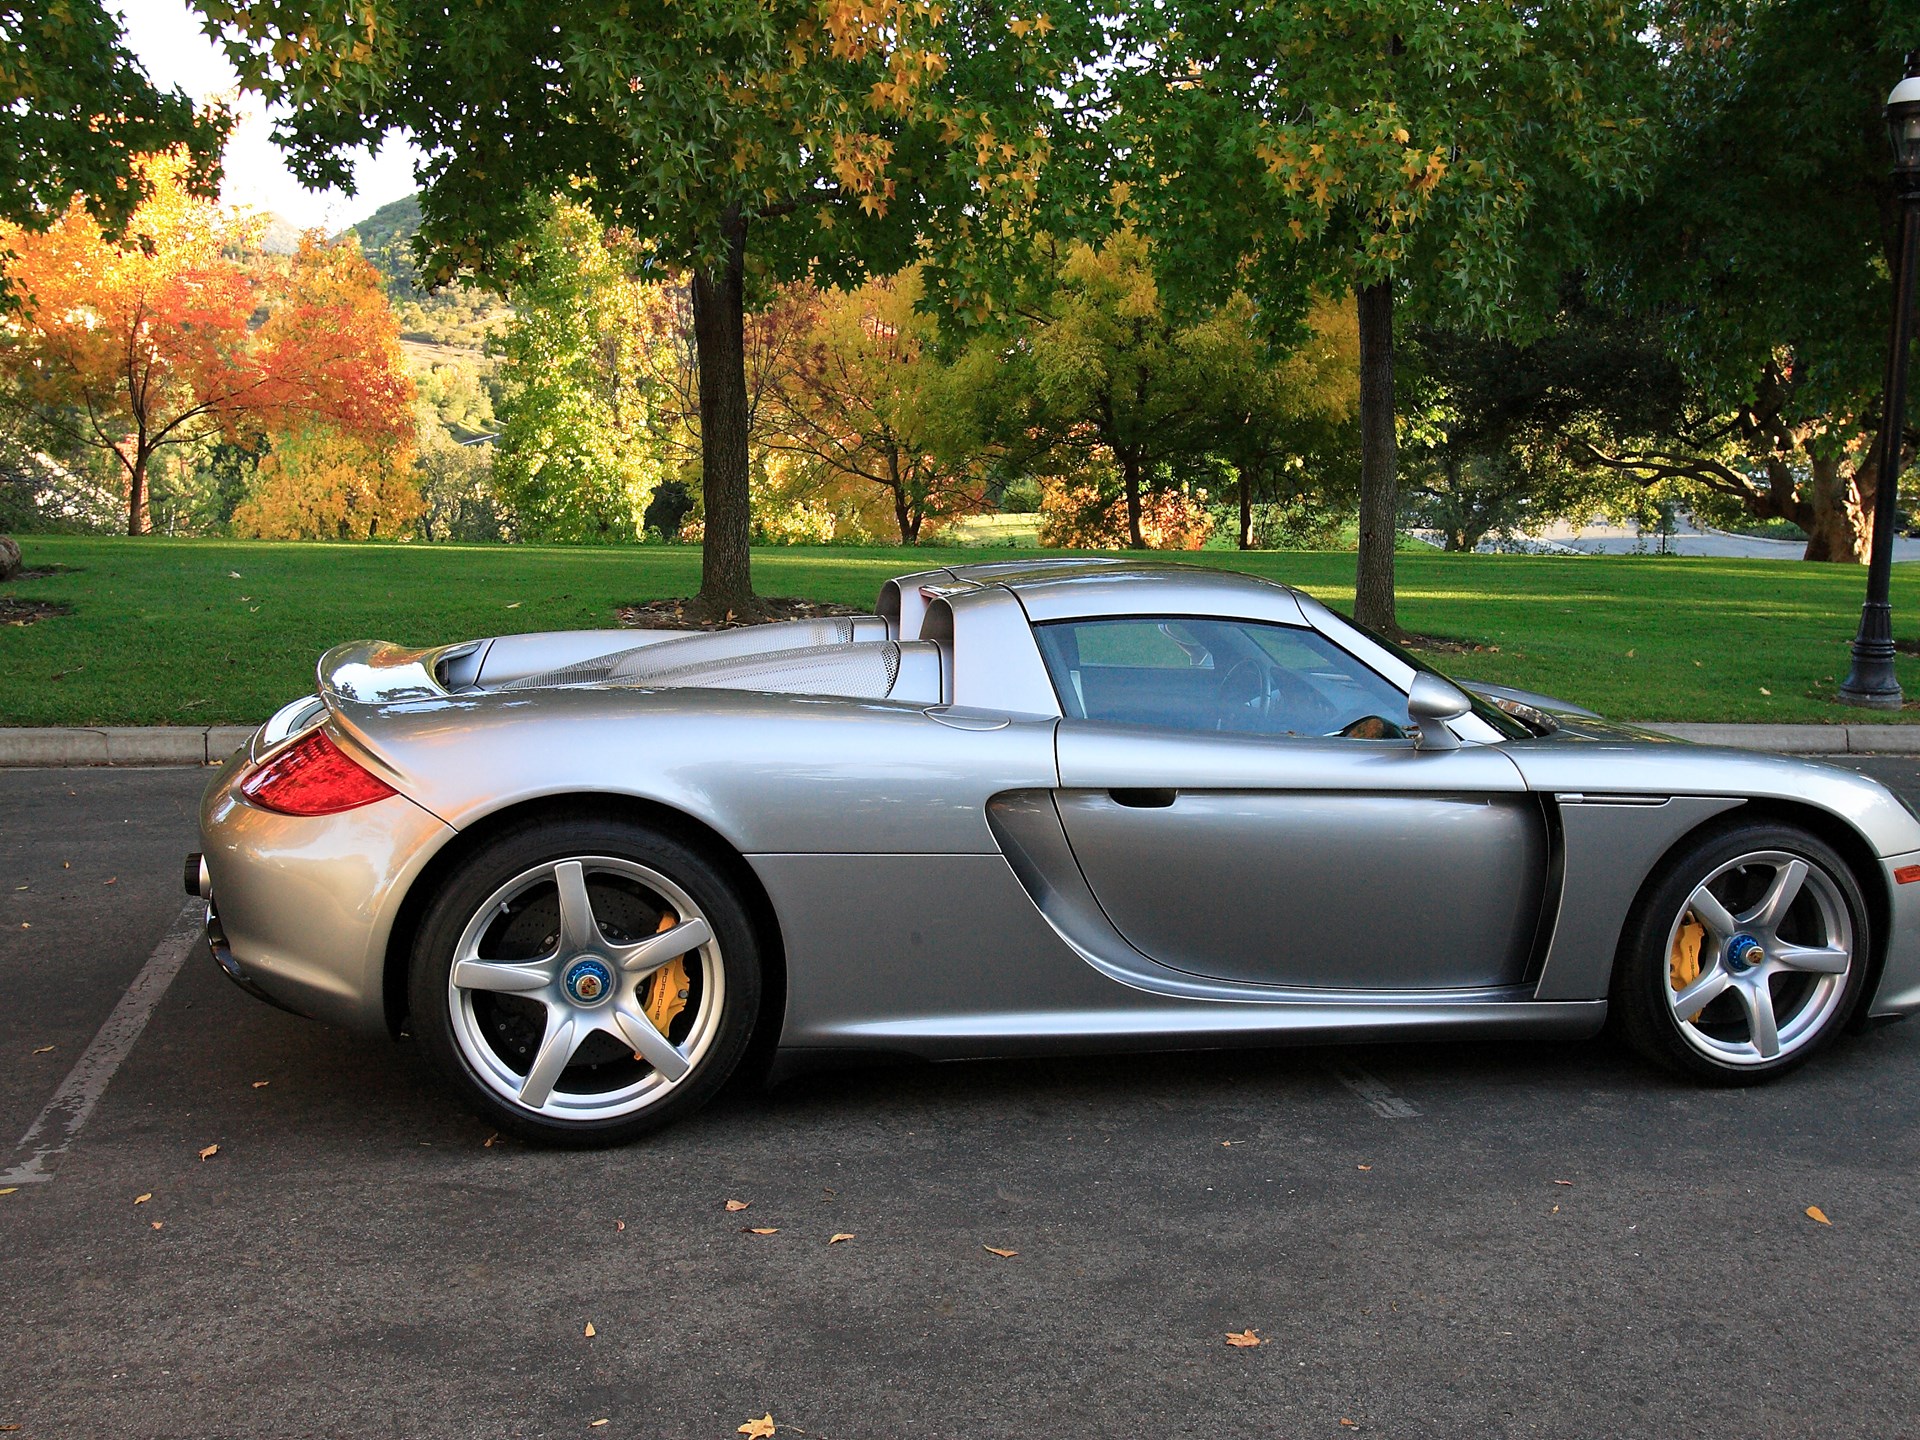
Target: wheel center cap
(588, 982)
(1743, 953)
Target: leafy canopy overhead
(1455, 148)
(75, 111)
(835, 129)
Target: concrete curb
(210, 744)
(121, 745)
(1801, 739)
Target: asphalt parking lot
(1463, 1240)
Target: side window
(1224, 676)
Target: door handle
(1142, 799)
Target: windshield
(1507, 725)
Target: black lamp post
(1871, 680)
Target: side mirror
(1431, 703)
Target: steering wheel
(1261, 693)
(1246, 690)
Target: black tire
(485, 1040)
(1724, 1041)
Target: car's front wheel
(1744, 957)
(581, 983)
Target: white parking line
(59, 1125)
(1379, 1097)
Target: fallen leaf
(261, 1084)
(156, 1223)
(1629, 654)
(209, 1152)
(589, 1332)
(1563, 1182)
(111, 880)
(763, 1427)
(1226, 1144)
(1350, 1424)
(1244, 1339)
(1817, 1215)
(759, 1230)
(515, 606)
(142, 1199)
(10, 1190)
(44, 1050)
(1363, 1167)
(595, 1424)
(235, 574)
(487, 1144)
(1765, 691)
(843, 1235)
(619, 1224)
(737, 1205)
(996, 1250)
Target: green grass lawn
(206, 631)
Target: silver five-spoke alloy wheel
(1758, 958)
(556, 996)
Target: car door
(1232, 821)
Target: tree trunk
(1130, 476)
(1379, 480)
(719, 339)
(1842, 518)
(903, 513)
(1246, 511)
(139, 517)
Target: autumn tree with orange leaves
(131, 348)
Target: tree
(130, 350)
(77, 112)
(1762, 248)
(1502, 432)
(1446, 156)
(1110, 373)
(322, 484)
(747, 141)
(869, 397)
(1284, 418)
(576, 457)
(456, 489)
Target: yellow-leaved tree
(319, 483)
(864, 397)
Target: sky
(167, 38)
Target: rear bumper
(236, 972)
(301, 909)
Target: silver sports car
(1024, 808)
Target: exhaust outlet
(199, 882)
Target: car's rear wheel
(1745, 957)
(581, 983)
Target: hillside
(455, 316)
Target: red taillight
(313, 777)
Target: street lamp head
(1903, 119)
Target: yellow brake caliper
(1683, 965)
(667, 990)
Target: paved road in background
(357, 1260)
